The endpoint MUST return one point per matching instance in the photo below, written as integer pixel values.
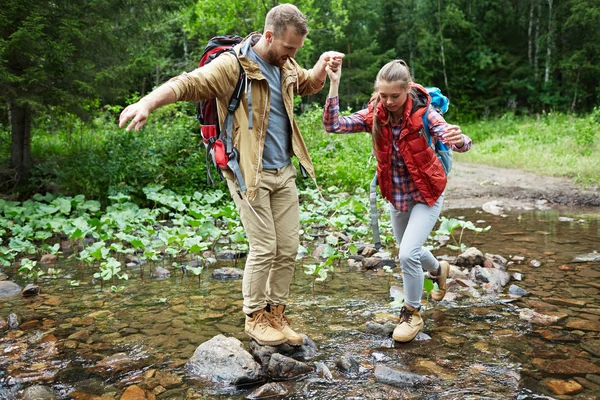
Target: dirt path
(474, 185)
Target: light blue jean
(411, 229)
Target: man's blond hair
(286, 16)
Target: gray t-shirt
(278, 140)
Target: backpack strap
(226, 133)
(426, 127)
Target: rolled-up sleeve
(217, 79)
(333, 123)
(438, 127)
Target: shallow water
(480, 349)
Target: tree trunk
(548, 43)
(574, 104)
(442, 46)
(20, 120)
(536, 54)
(530, 34)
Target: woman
(410, 175)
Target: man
(266, 135)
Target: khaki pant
(272, 257)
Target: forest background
(522, 77)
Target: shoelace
(405, 315)
(262, 322)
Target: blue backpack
(440, 103)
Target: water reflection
(91, 341)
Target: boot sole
(263, 343)
(294, 344)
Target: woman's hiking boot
(410, 324)
(259, 328)
(444, 270)
(279, 321)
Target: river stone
(230, 255)
(347, 364)
(378, 329)
(30, 290)
(268, 391)
(396, 378)
(583, 325)
(228, 273)
(13, 321)
(160, 272)
(529, 315)
(589, 257)
(515, 290)
(38, 392)
(489, 275)
(572, 367)
(282, 367)
(591, 346)
(560, 387)
(223, 359)
(470, 258)
(495, 207)
(9, 289)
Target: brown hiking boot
(280, 322)
(259, 328)
(410, 324)
(438, 295)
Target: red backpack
(219, 149)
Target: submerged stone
(282, 367)
(398, 378)
(9, 289)
(268, 391)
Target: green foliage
(449, 225)
(552, 144)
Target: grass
(552, 145)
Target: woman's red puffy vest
(424, 167)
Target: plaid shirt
(404, 190)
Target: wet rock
(135, 392)
(30, 290)
(230, 255)
(368, 251)
(535, 263)
(561, 387)
(347, 364)
(223, 359)
(9, 289)
(356, 265)
(323, 371)
(495, 207)
(3, 324)
(518, 259)
(160, 272)
(13, 321)
(517, 276)
(533, 317)
(572, 367)
(489, 275)
(131, 259)
(282, 367)
(38, 392)
(589, 257)
(556, 335)
(115, 363)
(263, 353)
(268, 391)
(397, 378)
(164, 379)
(228, 273)
(376, 263)
(48, 259)
(470, 258)
(593, 378)
(517, 291)
(583, 325)
(566, 267)
(591, 346)
(378, 329)
(457, 273)
(565, 302)
(80, 336)
(421, 337)
(32, 324)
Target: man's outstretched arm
(138, 112)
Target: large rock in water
(9, 289)
(224, 359)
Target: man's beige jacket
(218, 79)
